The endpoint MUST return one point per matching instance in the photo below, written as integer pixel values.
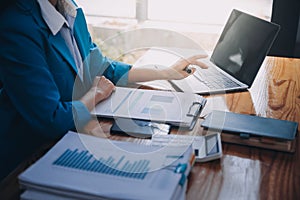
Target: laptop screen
(243, 45)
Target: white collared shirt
(63, 21)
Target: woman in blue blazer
(38, 102)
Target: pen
(188, 69)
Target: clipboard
(177, 109)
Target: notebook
(236, 58)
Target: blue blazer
(40, 92)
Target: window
(108, 8)
(200, 20)
(212, 12)
(203, 11)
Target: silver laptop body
(237, 56)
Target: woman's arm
(175, 72)
(100, 90)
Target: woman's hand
(177, 71)
(100, 90)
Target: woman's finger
(96, 81)
(200, 64)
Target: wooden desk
(248, 172)
(252, 173)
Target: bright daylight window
(201, 20)
(203, 11)
(108, 8)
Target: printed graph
(82, 160)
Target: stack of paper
(85, 167)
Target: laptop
(236, 58)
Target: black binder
(138, 128)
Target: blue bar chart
(83, 160)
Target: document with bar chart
(86, 167)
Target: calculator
(206, 148)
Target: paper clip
(189, 114)
(180, 169)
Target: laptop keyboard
(214, 79)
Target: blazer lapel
(59, 44)
(81, 34)
(56, 40)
